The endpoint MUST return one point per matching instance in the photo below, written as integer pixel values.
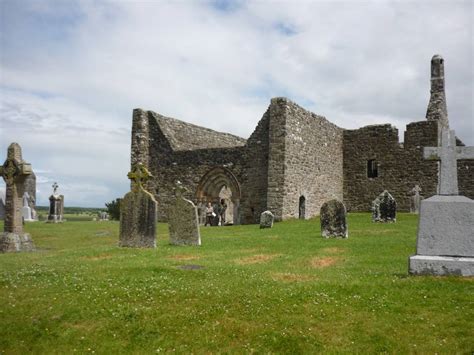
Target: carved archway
(211, 185)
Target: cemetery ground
(284, 290)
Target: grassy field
(280, 290)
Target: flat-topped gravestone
(56, 206)
(384, 208)
(266, 219)
(333, 219)
(445, 242)
(14, 171)
(138, 213)
(183, 220)
(415, 199)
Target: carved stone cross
(448, 154)
(139, 176)
(14, 171)
(55, 188)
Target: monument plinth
(445, 243)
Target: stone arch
(211, 185)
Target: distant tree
(113, 209)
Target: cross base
(12, 242)
(441, 265)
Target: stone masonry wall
(399, 167)
(255, 179)
(313, 161)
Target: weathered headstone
(384, 208)
(103, 216)
(445, 243)
(333, 219)
(138, 212)
(266, 219)
(26, 211)
(415, 199)
(14, 171)
(56, 206)
(183, 220)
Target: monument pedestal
(445, 244)
(13, 242)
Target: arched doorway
(217, 184)
(302, 208)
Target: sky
(71, 72)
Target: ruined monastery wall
(400, 167)
(313, 162)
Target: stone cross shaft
(448, 154)
(14, 171)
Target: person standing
(209, 214)
(222, 211)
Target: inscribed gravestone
(14, 171)
(183, 220)
(384, 208)
(445, 242)
(138, 213)
(333, 219)
(266, 219)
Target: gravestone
(384, 208)
(333, 219)
(445, 242)
(138, 211)
(266, 219)
(26, 211)
(56, 206)
(183, 220)
(415, 199)
(14, 171)
(103, 216)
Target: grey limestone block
(333, 219)
(184, 223)
(266, 219)
(14, 242)
(446, 226)
(384, 208)
(441, 265)
(138, 211)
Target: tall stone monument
(138, 212)
(333, 219)
(56, 206)
(445, 243)
(183, 220)
(14, 171)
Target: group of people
(215, 215)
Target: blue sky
(71, 73)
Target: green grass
(280, 290)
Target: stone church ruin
(294, 161)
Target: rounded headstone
(333, 219)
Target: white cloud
(73, 72)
